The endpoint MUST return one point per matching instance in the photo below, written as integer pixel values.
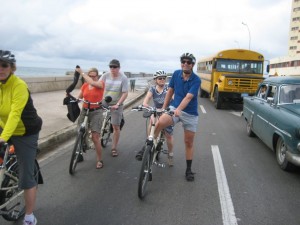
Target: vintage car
(273, 115)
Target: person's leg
(169, 138)
(30, 199)
(116, 117)
(26, 148)
(96, 118)
(164, 121)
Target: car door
(268, 114)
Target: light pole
(238, 44)
(248, 32)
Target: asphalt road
(237, 181)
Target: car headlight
(230, 82)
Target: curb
(55, 139)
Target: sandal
(189, 175)
(114, 152)
(99, 164)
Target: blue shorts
(189, 122)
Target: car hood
(295, 108)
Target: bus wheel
(217, 99)
(202, 93)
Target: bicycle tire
(75, 153)
(16, 208)
(106, 132)
(145, 172)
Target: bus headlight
(230, 82)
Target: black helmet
(6, 56)
(188, 56)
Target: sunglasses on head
(186, 61)
(113, 67)
(4, 64)
(161, 78)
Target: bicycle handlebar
(152, 109)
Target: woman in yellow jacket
(20, 124)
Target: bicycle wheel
(75, 153)
(12, 195)
(105, 132)
(145, 173)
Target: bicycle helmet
(188, 56)
(159, 73)
(6, 56)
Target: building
(290, 64)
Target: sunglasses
(92, 76)
(186, 61)
(161, 78)
(4, 65)
(113, 67)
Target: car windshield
(289, 94)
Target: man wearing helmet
(158, 93)
(20, 124)
(184, 86)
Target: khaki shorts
(94, 119)
(189, 122)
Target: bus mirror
(268, 68)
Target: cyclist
(184, 86)
(116, 86)
(92, 90)
(158, 93)
(19, 123)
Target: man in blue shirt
(184, 85)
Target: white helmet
(159, 73)
(188, 56)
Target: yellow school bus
(230, 75)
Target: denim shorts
(189, 122)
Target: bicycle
(12, 203)
(82, 139)
(153, 147)
(106, 129)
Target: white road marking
(202, 109)
(239, 114)
(228, 213)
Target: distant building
(290, 64)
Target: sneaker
(170, 161)
(29, 222)
(189, 175)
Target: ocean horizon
(23, 71)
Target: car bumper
(293, 158)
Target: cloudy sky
(145, 35)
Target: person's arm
(98, 83)
(147, 99)
(183, 104)
(168, 97)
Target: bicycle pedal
(165, 151)
(160, 165)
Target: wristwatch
(118, 104)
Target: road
(237, 181)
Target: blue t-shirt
(182, 88)
(158, 98)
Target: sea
(41, 72)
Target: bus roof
(235, 54)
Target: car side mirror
(270, 100)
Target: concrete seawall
(46, 84)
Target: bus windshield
(239, 66)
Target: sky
(145, 35)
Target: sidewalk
(57, 128)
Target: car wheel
(281, 156)
(250, 133)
